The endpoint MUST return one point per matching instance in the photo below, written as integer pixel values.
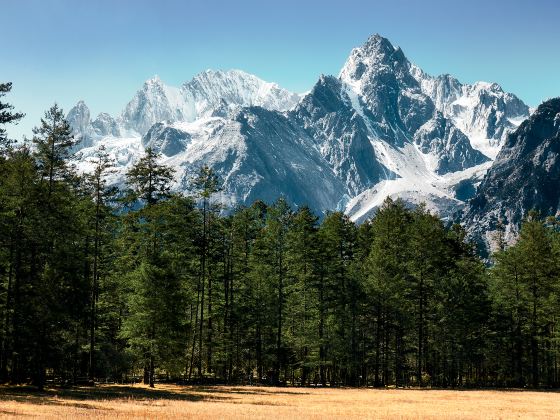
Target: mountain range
(382, 127)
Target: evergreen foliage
(174, 288)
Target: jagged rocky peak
(105, 125)
(210, 93)
(524, 176)
(399, 111)
(376, 53)
(166, 139)
(213, 89)
(326, 96)
(79, 117)
(341, 134)
(380, 74)
(444, 89)
(155, 102)
(482, 110)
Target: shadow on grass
(465, 389)
(10, 413)
(249, 390)
(67, 396)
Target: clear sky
(102, 51)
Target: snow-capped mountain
(211, 93)
(382, 127)
(482, 111)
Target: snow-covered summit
(482, 110)
(210, 93)
(211, 90)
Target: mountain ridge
(383, 127)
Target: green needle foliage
(171, 287)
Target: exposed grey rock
(79, 119)
(165, 139)
(524, 176)
(105, 125)
(340, 134)
(441, 138)
(483, 111)
(398, 109)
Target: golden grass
(224, 402)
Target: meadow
(200, 402)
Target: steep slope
(483, 111)
(218, 92)
(281, 162)
(524, 176)
(258, 154)
(80, 120)
(397, 108)
(155, 102)
(340, 134)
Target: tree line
(98, 283)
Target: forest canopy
(98, 283)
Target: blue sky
(102, 51)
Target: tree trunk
(151, 371)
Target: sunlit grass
(170, 401)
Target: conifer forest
(99, 283)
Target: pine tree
(426, 269)
(58, 277)
(152, 281)
(301, 299)
(387, 289)
(101, 194)
(53, 142)
(270, 268)
(6, 117)
(18, 203)
(153, 326)
(339, 292)
(148, 180)
(524, 286)
(206, 184)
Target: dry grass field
(169, 401)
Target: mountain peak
(219, 73)
(375, 54)
(154, 80)
(79, 109)
(378, 42)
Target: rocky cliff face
(340, 135)
(524, 176)
(166, 140)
